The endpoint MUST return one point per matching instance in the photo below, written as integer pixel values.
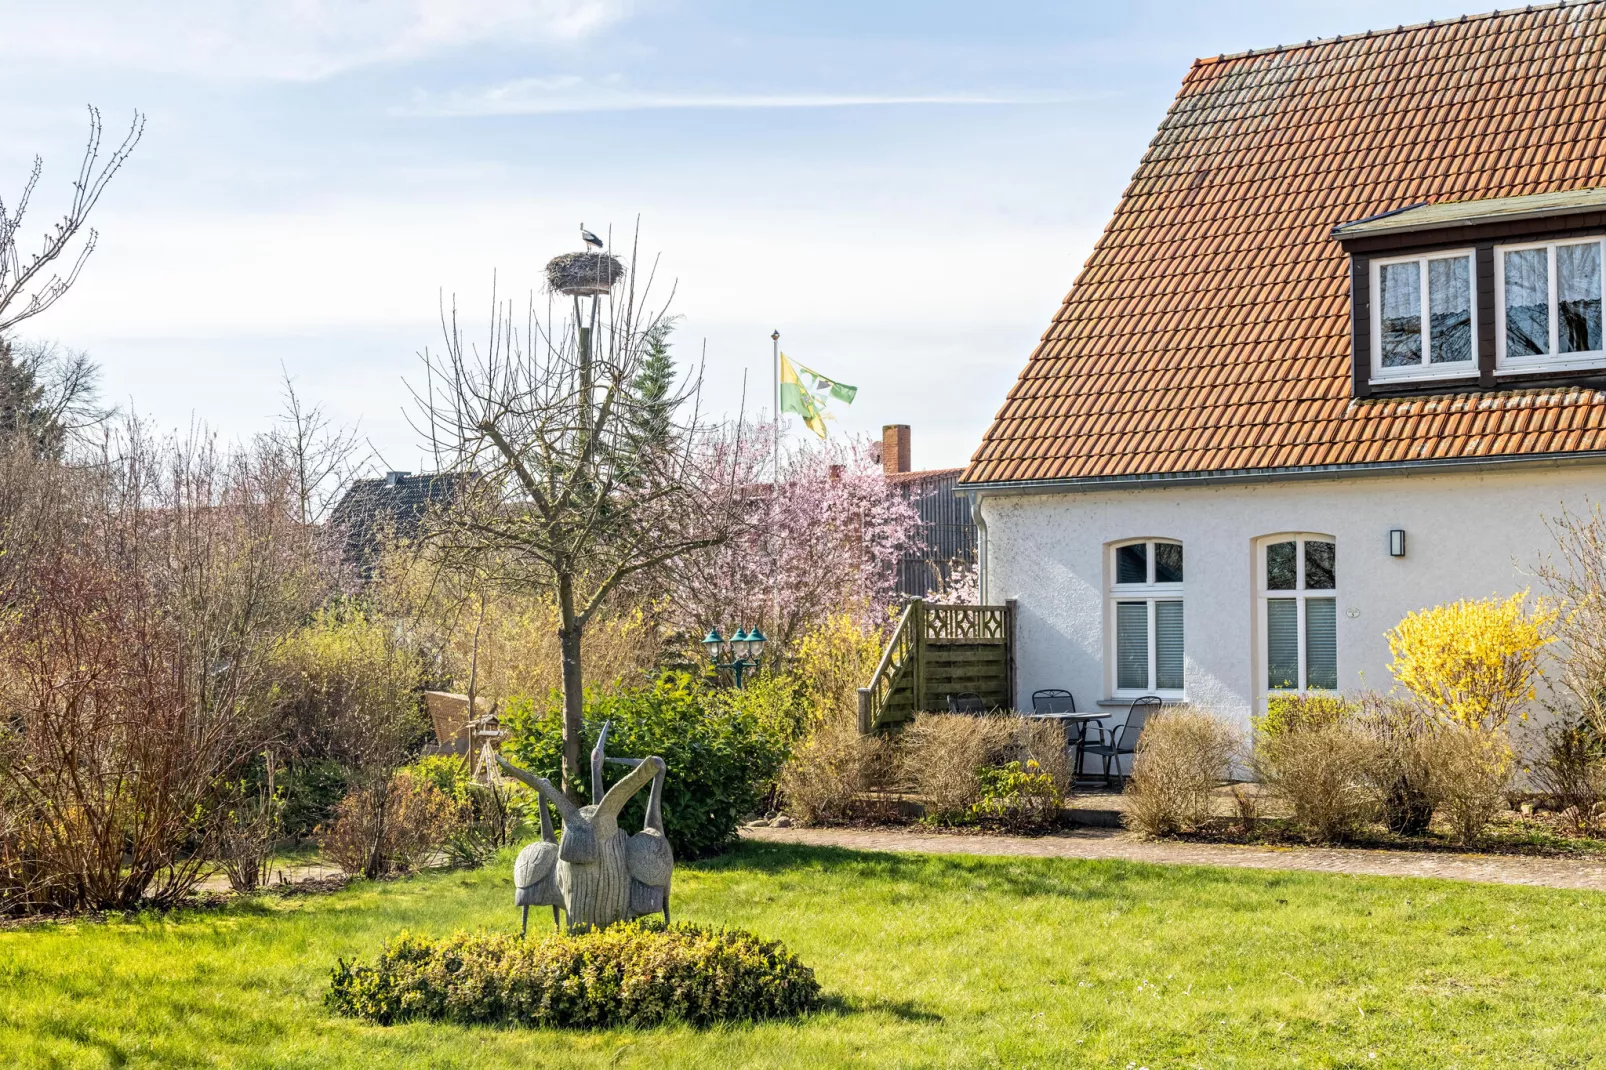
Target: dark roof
(397, 501)
(1209, 332)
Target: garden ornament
(598, 873)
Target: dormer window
(1423, 318)
(1479, 295)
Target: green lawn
(930, 961)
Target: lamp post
(741, 651)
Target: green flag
(796, 399)
(823, 385)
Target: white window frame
(1263, 594)
(1426, 369)
(1149, 592)
(1552, 361)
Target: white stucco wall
(1468, 535)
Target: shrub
(395, 826)
(1571, 769)
(1400, 770)
(311, 789)
(493, 813)
(1321, 762)
(1017, 796)
(1182, 756)
(721, 761)
(832, 660)
(1469, 770)
(1286, 713)
(638, 974)
(827, 773)
(1475, 662)
(944, 752)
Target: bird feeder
(585, 274)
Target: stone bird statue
(535, 873)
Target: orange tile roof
(1209, 330)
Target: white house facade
(1221, 595)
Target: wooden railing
(923, 626)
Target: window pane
(1319, 566)
(1321, 643)
(1167, 562)
(1578, 298)
(1401, 318)
(1527, 303)
(1132, 563)
(1450, 306)
(1168, 645)
(1282, 643)
(1280, 575)
(1132, 645)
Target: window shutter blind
(1321, 643)
(1168, 645)
(1132, 645)
(1282, 643)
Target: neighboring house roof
(1209, 332)
(396, 503)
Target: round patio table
(1070, 721)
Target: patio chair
(1053, 700)
(966, 702)
(1123, 739)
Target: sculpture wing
(649, 858)
(535, 864)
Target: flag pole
(775, 485)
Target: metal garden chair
(1122, 741)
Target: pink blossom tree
(826, 539)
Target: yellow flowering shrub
(1476, 662)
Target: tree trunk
(569, 633)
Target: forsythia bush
(637, 974)
(1473, 661)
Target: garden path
(1101, 843)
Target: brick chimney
(895, 449)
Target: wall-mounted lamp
(1396, 542)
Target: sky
(905, 190)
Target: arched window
(1146, 617)
(1298, 599)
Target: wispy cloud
(289, 40)
(569, 94)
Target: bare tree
(48, 395)
(24, 292)
(322, 457)
(578, 481)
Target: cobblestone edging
(1096, 843)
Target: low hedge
(637, 974)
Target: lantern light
(755, 642)
(712, 643)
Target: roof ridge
(1315, 42)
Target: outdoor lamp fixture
(1396, 542)
(741, 650)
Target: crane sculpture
(597, 873)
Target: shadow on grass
(1018, 877)
(902, 1009)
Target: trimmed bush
(1469, 771)
(637, 974)
(1182, 757)
(1321, 761)
(944, 752)
(722, 761)
(828, 773)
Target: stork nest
(583, 274)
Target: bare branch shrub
(1400, 771)
(1570, 768)
(943, 752)
(1313, 754)
(1470, 773)
(392, 826)
(139, 597)
(1183, 755)
(830, 770)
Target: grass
(930, 960)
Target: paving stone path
(1118, 844)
